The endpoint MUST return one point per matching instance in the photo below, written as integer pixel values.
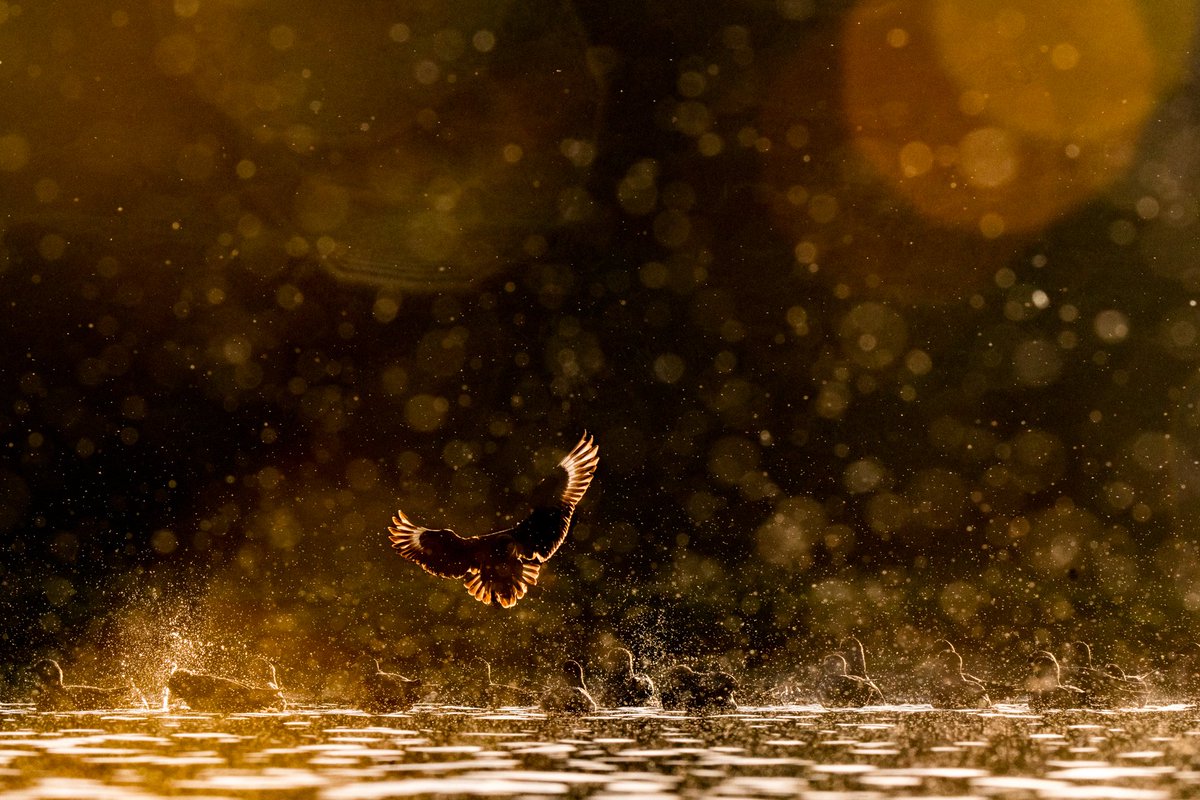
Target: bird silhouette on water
(682, 688)
(856, 658)
(1101, 688)
(950, 687)
(837, 688)
(204, 692)
(502, 565)
(569, 693)
(387, 692)
(621, 684)
(1045, 686)
(52, 694)
(493, 694)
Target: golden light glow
(986, 121)
(1036, 106)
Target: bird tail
(506, 592)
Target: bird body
(953, 688)
(996, 690)
(854, 655)
(386, 692)
(52, 694)
(1101, 688)
(682, 688)
(837, 688)
(1137, 686)
(496, 694)
(569, 694)
(622, 684)
(204, 692)
(1045, 686)
(501, 566)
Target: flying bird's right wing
(443, 553)
(542, 532)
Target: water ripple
(895, 751)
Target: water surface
(807, 751)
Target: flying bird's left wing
(541, 533)
(443, 553)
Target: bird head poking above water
(834, 664)
(619, 660)
(1044, 672)
(1077, 655)
(949, 662)
(48, 672)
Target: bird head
(48, 671)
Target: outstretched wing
(443, 553)
(541, 533)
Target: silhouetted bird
(501, 566)
(682, 688)
(51, 694)
(952, 688)
(1137, 685)
(1045, 686)
(996, 690)
(569, 694)
(929, 670)
(1101, 689)
(386, 692)
(503, 694)
(837, 688)
(204, 692)
(621, 684)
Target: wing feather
(541, 533)
(439, 552)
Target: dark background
(883, 319)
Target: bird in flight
(502, 565)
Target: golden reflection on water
(756, 752)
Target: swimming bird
(502, 565)
(1101, 688)
(569, 694)
(931, 669)
(51, 694)
(837, 688)
(621, 684)
(1045, 686)
(682, 688)
(204, 692)
(386, 692)
(504, 694)
(1138, 685)
(950, 687)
